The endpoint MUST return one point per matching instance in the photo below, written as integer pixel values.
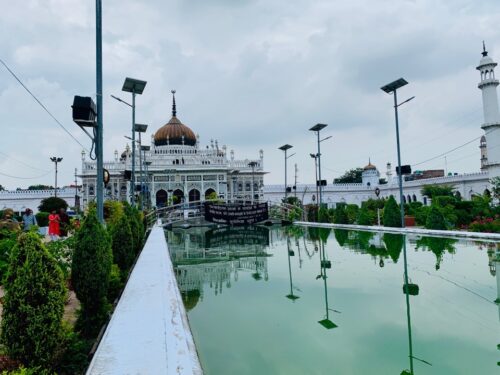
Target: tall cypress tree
(123, 245)
(392, 215)
(33, 308)
(90, 272)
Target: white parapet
(149, 332)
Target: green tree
(495, 187)
(340, 215)
(392, 214)
(364, 217)
(52, 203)
(350, 176)
(352, 211)
(40, 187)
(324, 216)
(90, 270)
(435, 219)
(437, 190)
(123, 247)
(136, 226)
(33, 308)
(393, 244)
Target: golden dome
(174, 132)
(369, 166)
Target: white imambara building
(466, 185)
(177, 168)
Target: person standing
(64, 220)
(29, 219)
(54, 229)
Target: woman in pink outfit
(54, 229)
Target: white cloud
(252, 74)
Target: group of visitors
(59, 222)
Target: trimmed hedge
(33, 308)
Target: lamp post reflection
(290, 252)
(325, 264)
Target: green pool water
(316, 301)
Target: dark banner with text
(234, 214)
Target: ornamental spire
(484, 53)
(174, 109)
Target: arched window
(194, 195)
(91, 189)
(414, 198)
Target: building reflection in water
(215, 257)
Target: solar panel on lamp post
(392, 88)
(134, 86)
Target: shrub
(62, 251)
(33, 305)
(352, 211)
(90, 270)
(115, 283)
(52, 203)
(75, 358)
(435, 219)
(324, 216)
(113, 211)
(421, 214)
(123, 248)
(488, 225)
(42, 218)
(364, 217)
(392, 215)
(340, 215)
(8, 240)
(437, 190)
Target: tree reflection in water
(438, 246)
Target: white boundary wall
(149, 332)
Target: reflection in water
(290, 296)
(213, 260)
(438, 246)
(215, 257)
(324, 265)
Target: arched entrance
(178, 196)
(161, 198)
(209, 193)
(194, 195)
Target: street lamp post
(315, 157)
(317, 128)
(141, 128)
(135, 86)
(56, 160)
(285, 148)
(144, 167)
(391, 88)
(253, 164)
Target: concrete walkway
(148, 333)
(416, 231)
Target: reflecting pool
(301, 300)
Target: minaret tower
(491, 125)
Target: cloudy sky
(254, 74)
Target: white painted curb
(149, 331)
(416, 231)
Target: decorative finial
(174, 109)
(484, 53)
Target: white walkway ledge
(416, 231)
(148, 333)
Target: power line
(23, 163)
(24, 178)
(41, 104)
(449, 151)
